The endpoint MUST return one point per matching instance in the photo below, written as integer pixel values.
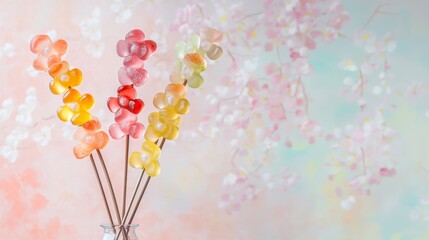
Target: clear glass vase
(126, 232)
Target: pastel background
(313, 125)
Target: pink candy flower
(135, 50)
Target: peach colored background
(46, 194)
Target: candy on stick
(76, 107)
(190, 62)
(147, 159)
(48, 53)
(64, 77)
(90, 138)
(211, 38)
(135, 50)
(166, 122)
(126, 107)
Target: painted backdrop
(313, 124)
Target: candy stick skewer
(106, 204)
(124, 196)
(112, 192)
(140, 197)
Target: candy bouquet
(163, 124)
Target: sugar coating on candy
(90, 137)
(48, 53)
(76, 107)
(147, 159)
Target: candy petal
(113, 104)
(115, 131)
(135, 160)
(214, 52)
(60, 47)
(86, 102)
(122, 48)
(182, 106)
(81, 118)
(195, 81)
(136, 130)
(123, 77)
(93, 125)
(65, 113)
(74, 77)
(39, 43)
(133, 61)
(40, 63)
(72, 95)
(56, 87)
(101, 140)
(194, 42)
(139, 49)
(124, 115)
(180, 50)
(160, 100)
(211, 35)
(59, 69)
(151, 46)
(135, 106)
(153, 169)
(172, 132)
(81, 151)
(127, 91)
(151, 134)
(135, 35)
(176, 90)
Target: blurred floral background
(313, 125)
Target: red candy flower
(126, 107)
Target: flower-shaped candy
(147, 159)
(190, 62)
(126, 99)
(211, 38)
(126, 107)
(135, 76)
(171, 104)
(76, 108)
(64, 78)
(90, 138)
(160, 126)
(135, 50)
(48, 53)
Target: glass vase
(126, 232)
